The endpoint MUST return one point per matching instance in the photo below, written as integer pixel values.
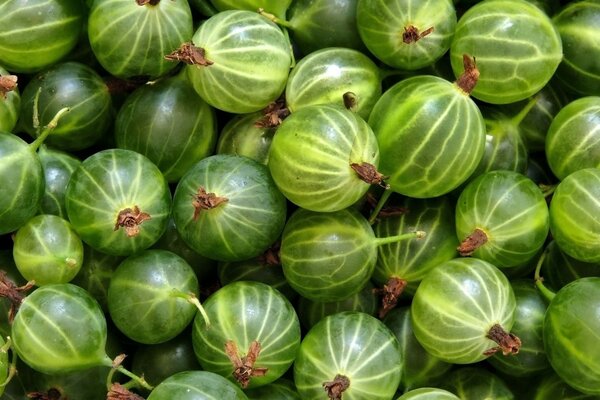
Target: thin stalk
(397, 238)
(12, 370)
(116, 366)
(517, 119)
(382, 200)
(48, 129)
(192, 299)
(547, 190)
(546, 293)
(275, 19)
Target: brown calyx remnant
(189, 54)
(386, 211)
(368, 173)
(131, 219)
(271, 255)
(391, 292)
(273, 114)
(15, 294)
(205, 201)
(119, 392)
(243, 368)
(507, 342)
(147, 2)
(8, 83)
(472, 242)
(411, 34)
(336, 387)
(51, 394)
(350, 101)
(467, 81)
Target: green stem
(545, 292)
(397, 238)
(192, 299)
(547, 190)
(382, 200)
(275, 19)
(48, 129)
(139, 381)
(517, 119)
(12, 370)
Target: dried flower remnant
(130, 220)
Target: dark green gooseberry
(247, 135)
(431, 135)
(471, 383)
(551, 387)
(152, 296)
(22, 176)
(245, 61)
(558, 268)
(502, 217)
(419, 368)
(578, 25)
(331, 256)
(528, 326)
(330, 76)
(96, 272)
(571, 326)
(310, 312)
(38, 33)
(70, 85)
(58, 167)
(516, 46)
(228, 208)
(265, 268)
(10, 101)
(462, 312)
(47, 250)
(406, 34)
(573, 210)
(315, 25)
(281, 389)
(10, 275)
(4, 364)
(168, 123)
(402, 265)
(573, 136)
(118, 202)
(324, 158)
(428, 393)
(131, 38)
(253, 336)
(349, 354)
(196, 385)
(157, 362)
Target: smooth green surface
(516, 47)
(573, 139)
(48, 250)
(60, 328)
(58, 167)
(431, 136)
(382, 24)
(472, 383)
(512, 212)
(456, 305)
(327, 256)
(573, 212)
(143, 296)
(168, 123)
(251, 60)
(352, 344)
(131, 41)
(428, 394)
(559, 268)
(37, 33)
(276, 7)
(22, 180)
(109, 182)
(242, 137)
(83, 91)
(571, 326)
(244, 312)
(244, 226)
(281, 389)
(196, 385)
(311, 156)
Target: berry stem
(546, 293)
(397, 238)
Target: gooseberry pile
(299, 199)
